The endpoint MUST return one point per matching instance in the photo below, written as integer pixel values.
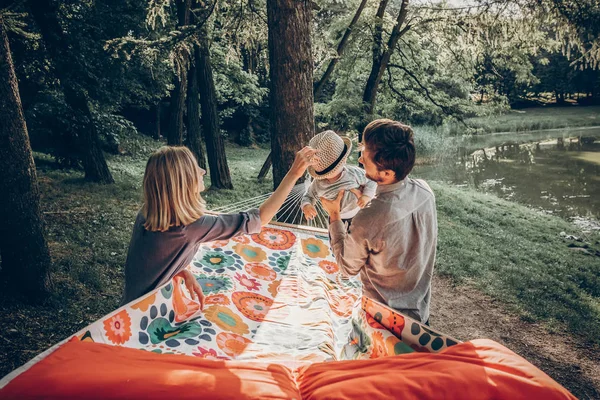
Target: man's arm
(350, 249)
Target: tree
(381, 55)
(339, 51)
(23, 248)
(69, 71)
(177, 108)
(194, 142)
(291, 72)
(220, 177)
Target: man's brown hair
(392, 146)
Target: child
(171, 224)
(331, 175)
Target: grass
(531, 119)
(519, 257)
(507, 251)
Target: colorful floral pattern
(217, 299)
(241, 239)
(266, 298)
(329, 267)
(315, 248)
(252, 305)
(145, 303)
(118, 327)
(343, 305)
(233, 345)
(208, 354)
(215, 261)
(219, 243)
(214, 284)
(379, 349)
(275, 239)
(261, 271)
(226, 319)
(248, 283)
(274, 288)
(392, 321)
(279, 261)
(250, 253)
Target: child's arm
(308, 202)
(367, 187)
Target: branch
(445, 109)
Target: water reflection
(559, 175)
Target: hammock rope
(290, 212)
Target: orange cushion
(80, 370)
(481, 369)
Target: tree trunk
(215, 148)
(194, 142)
(177, 106)
(291, 71)
(381, 59)
(265, 168)
(23, 248)
(157, 121)
(68, 69)
(340, 50)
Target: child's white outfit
(352, 178)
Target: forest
(88, 89)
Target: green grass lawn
(506, 250)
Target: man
(392, 241)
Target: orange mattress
(481, 369)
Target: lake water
(556, 172)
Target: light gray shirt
(392, 244)
(352, 178)
(154, 258)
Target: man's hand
(193, 287)
(309, 211)
(363, 201)
(305, 157)
(332, 207)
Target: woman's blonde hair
(172, 189)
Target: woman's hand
(305, 157)
(332, 207)
(193, 287)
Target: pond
(557, 171)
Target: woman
(172, 222)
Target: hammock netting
(280, 321)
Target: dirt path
(468, 314)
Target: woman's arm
(269, 208)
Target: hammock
(280, 322)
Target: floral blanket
(276, 296)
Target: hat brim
(340, 164)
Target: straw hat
(334, 150)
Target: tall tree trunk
(157, 121)
(291, 71)
(382, 58)
(340, 50)
(177, 106)
(67, 67)
(215, 147)
(194, 142)
(23, 248)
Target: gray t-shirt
(154, 258)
